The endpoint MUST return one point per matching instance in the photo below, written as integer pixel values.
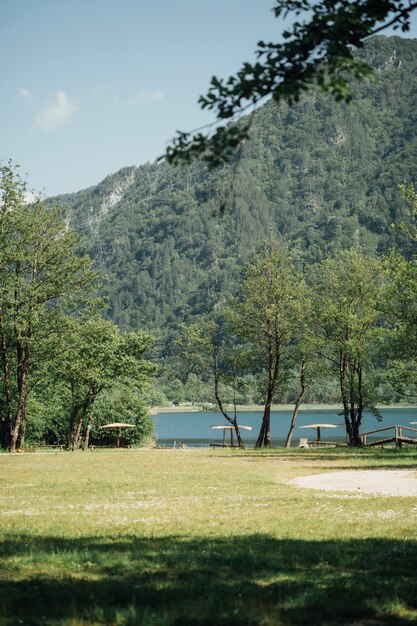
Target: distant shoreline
(187, 408)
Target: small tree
(206, 349)
(307, 368)
(121, 403)
(96, 356)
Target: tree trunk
(6, 385)
(22, 431)
(264, 437)
(76, 422)
(238, 435)
(345, 401)
(297, 404)
(20, 419)
(352, 410)
(76, 430)
(360, 407)
(235, 423)
(88, 431)
(79, 411)
(222, 410)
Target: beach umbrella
(119, 426)
(225, 427)
(318, 428)
(232, 427)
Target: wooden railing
(398, 435)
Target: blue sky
(89, 86)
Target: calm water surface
(194, 428)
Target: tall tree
(41, 272)
(268, 319)
(348, 296)
(121, 403)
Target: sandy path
(383, 482)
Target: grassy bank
(162, 537)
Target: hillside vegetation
(320, 175)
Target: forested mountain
(320, 175)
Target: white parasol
(318, 428)
(119, 426)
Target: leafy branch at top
(318, 51)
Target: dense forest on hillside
(321, 176)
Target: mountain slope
(320, 175)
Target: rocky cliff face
(86, 209)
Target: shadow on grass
(241, 581)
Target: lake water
(194, 428)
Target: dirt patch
(381, 482)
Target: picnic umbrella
(318, 428)
(119, 426)
(231, 429)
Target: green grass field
(163, 537)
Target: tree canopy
(42, 273)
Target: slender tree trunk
(264, 437)
(78, 413)
(235, 422)
(357, 441)
(222, 410)
(345, 401)
(298, 403)
(88, 431)
(261, 436)
(22, 372)
(23, 360)
(6, 382)
(352, 397)
(20, 413)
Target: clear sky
(89, 86)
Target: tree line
(351, 317)
(63, 365)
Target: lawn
(184, 537)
